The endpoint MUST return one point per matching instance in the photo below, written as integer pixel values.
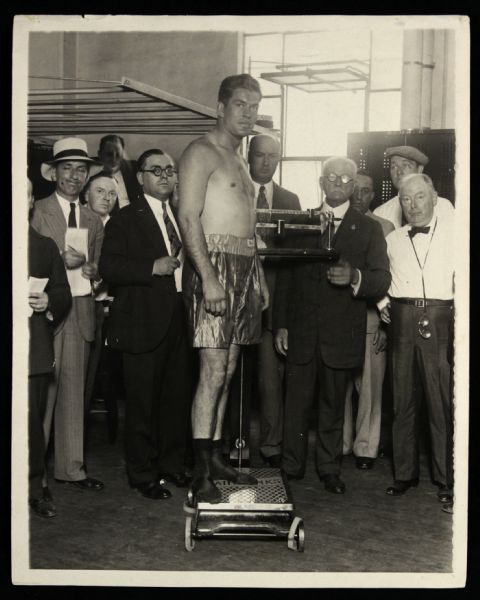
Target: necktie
(72, 219)
(262, 199)
(414, 230)
(175, 243)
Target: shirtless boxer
(224, 285)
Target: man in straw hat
(61, 217)
(407, 160)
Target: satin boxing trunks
(236, 265)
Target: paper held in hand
(77, 239)
(36, 285)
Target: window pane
(317, 124)
(301, 178)
(387, 59)
(262, 54)
(271, 107)
(385, 111)
(327, 45)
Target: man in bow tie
(143, 257)
(407, 160)
(420, 313)
(319, 315)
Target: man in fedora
(53, 217)
(407, 160)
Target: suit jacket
(282, 199)
(48, 219)
(143, 304)
(314, 311)
(128, 169)
(44, 260)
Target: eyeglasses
(159, 171)
(332, 177)
(424, 327)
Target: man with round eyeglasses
(419, 311)
(319, 315)
(143, 258)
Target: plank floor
(362, 531)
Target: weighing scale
(265, 510)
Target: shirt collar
(338, 211)
(156, 202)
(267, 186)
(65, 201)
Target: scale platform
(258, 511)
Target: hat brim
(48, 168)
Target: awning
(125, 106)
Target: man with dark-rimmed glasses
(142, 258)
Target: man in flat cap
(407, 160)
(78, 233)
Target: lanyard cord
(422, 267)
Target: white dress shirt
(438, 268)
(268, 192)
(157, 209)
(65, 206)
(123, 199)
(392, 210)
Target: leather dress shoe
(89, 483)
(333, 484)
(178, 479)
(444, 494)
(292, 477)
(47, 494)
(274, 461)
(400, 486)
(364, 463)
(43, 508)
(153, 490)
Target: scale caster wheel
(189, 541)
(296, 535)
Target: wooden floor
(362, 531)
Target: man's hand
(342, 274)
(385, 314)
(73, 259)
(214, 297)
(380, 340)
(165, 265)
(281, 341)
(89, 270)
(265, 294)
(38, 301)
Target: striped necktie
(175, 243)
(262, 198)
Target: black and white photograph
(240, 301)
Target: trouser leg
(37, 400)
(270, 369)
(300, 389)
(331, 412)
(369, 386)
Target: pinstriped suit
(72, 339)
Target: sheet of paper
(77, 239)
(36, 285)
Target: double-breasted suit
(72, 338)
(326, 326)
(147, 323)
